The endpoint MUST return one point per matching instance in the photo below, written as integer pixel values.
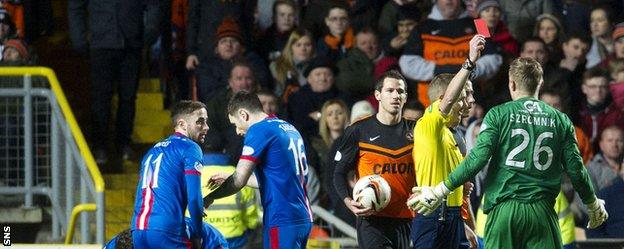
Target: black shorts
(383, 232)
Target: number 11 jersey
(281, 169)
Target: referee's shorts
(383, 232)
(431, 232)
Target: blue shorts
(157, 239)
(287, 237)
(429, 232)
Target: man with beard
(170, 183)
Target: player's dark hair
(392, 74)
(413, 105)
(527, 73)
(438, 85)
(185, 107)
(244, 100)
(595, 72)
(124, 240)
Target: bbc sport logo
(6, 235)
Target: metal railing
(43, 152)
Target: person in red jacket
(599, 111)
(490, 11)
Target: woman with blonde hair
(288, 68)
(334, 119)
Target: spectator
(276, 36)
(113, 37)
(550, 30)
(339, 37)
(391, 14)
(490, 11)
(356, 71)
(598, 112)
(7, 28)
(567, 77)
(213, 77)
(601, 24)
(413, 110)
(15, 53)
(605, 167)
(288, 68)
(222, 135)
(616, 69)
(204, 18)
(334, 119)
(270, 102)
(618, 45)
(440, 45)
(407, 18)
(614, 226)
(520, 16)
(304, 105)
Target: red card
(482, 27)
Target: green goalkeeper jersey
(529, 145)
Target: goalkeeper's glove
(425, 200)
(597, 213)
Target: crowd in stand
(314, 64)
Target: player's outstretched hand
(597, 213)
(216, 180)
(357, 208)
(477, 44)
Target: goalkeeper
(528, 145)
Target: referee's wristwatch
(468, 65)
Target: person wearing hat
(213, 75)
(549, 29)
(490, 11)
(15, 51)
(618, 38)
(304, 105)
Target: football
(372, 191)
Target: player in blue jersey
(169, 183)
(275, 150)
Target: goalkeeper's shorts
(515, 224)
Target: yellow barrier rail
(85, 152)
(72, 221)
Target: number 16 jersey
(530, 145)
(281, 168)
